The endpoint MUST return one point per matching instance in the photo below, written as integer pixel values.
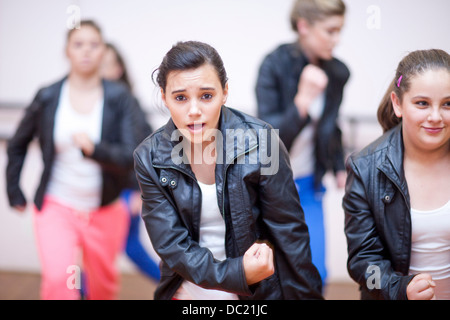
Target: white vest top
(212, 236)
(302, 149)
(430, 248)
(75, 180)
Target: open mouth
(196, 127)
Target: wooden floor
(25, 286)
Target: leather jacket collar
(227, 121)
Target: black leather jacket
(276, 88)
(377, 219)
(119, 137)
(254, 206)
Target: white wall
(32, 36)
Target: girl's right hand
(258, 263)
(313, 81)
(20, 208)
(421, 287)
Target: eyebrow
(425, 97)
(202, 89)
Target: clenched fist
(83, 142)
(258, 263)
(311, 84)
(421, 287)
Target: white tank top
(75, 180)
(302, 149)
(212, 236)
(430, 247)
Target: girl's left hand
(341, 177)
(135, 203)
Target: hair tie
(399, 81)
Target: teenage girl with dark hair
(397, 200)
(223, 229)
(113, 66)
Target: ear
(225, 94)
(66, 51)
(303, 26)
(163, 97)
(396, 104)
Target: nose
(335, 38)
(435, 114)
(194, 109)
(86, 49)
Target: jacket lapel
(48, 119)
(392, 165)
(168, 144)
(108, 115)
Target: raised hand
(311, 84)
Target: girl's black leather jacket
(255, 206)
(276, 87)
(122, 126)
(377, 218)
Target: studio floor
(25, 286)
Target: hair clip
(399, 81)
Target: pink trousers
(70, 241)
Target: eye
(446, 104)
(207, 96)
(421, 103)
(180, 98)
(333, 32)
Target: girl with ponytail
(397, 203)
